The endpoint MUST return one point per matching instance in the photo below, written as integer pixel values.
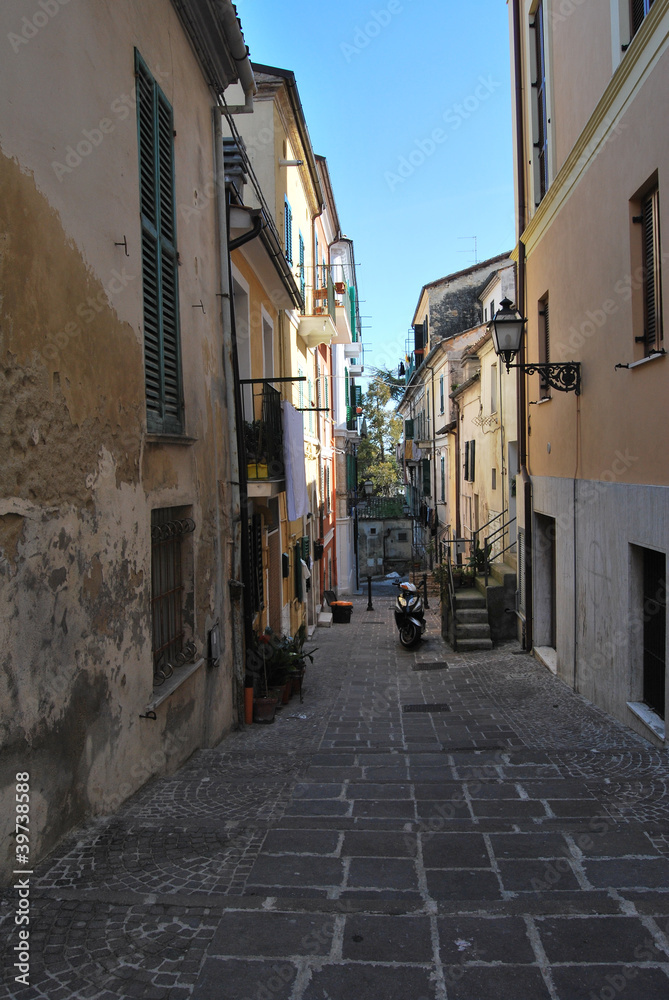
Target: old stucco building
(592, 91)
(117, 531)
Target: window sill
(644, 361)
(649, 718)
(182, 439)
(180, 675)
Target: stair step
(479, 631)
(471, 616)
(471, 644)
(469, 599)
(324, 619)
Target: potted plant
(256, 457)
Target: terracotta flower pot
(264, 709)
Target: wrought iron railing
(263, 430)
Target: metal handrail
(489, 541)
(451, 598)
(475, 534)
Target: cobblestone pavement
(510, 842)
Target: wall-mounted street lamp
(368, 487)
(507, 334)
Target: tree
(396, 384)
(376, 452)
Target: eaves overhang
(216, 35)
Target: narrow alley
(426, 825)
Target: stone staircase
(499, 597)
(471, 628)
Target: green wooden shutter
(288, 226)
(162, 358)
(351, 300)
(427, 485)
(303, 279)
(408, 430)
(651, 283)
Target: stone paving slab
(514, 847)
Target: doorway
(545, 584)
(654, 629)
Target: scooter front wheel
(409, 635)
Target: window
(328, 491)
(494, 479)
(169, 571)
(544, 344)
(427, 478)
(638, 10)
(540, 105)
(255, 562)
(442, 474)
(441, 393)
(162, 353)
(316, 259)
(470, 461)
(408, 430)
(288, 230)
(303, 279)
(651, 285)
(493, 388)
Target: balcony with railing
(318, 325)
(263, 437)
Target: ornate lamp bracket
(561, 377)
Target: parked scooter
(409, 615)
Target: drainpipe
(237, 583)
(240, 53)
(521, 305)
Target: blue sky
(409, 100)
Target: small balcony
(318, 325)
(263, 438)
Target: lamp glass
(507, 329)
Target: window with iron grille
(160, 286)
(638, 11)
(255, 562)
(544, 344)
(171, 586)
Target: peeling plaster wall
(78, 476)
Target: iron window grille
(169, 526)
(638, 11)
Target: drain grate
(437, 707)
(372, 623)
(440, 665)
